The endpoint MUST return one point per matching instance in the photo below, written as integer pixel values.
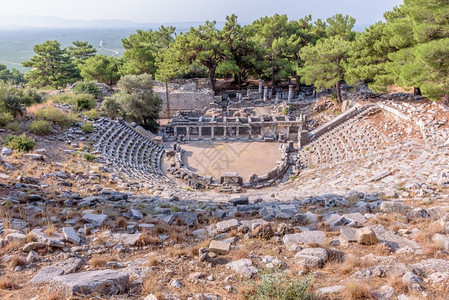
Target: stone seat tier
(128, 152)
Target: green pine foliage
(51, 66)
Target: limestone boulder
(219, 247)
(365, 236)
(243, 267)
(101, 282)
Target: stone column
(175, 130)
(260, 87)
(262, 134)
(200, 132)
(290, 93)
(250, 132)
(240, 97)
(188, 133)
(212, 132)
(270, 94)
(287, 136)
(265, 93)
(237, 132)
(277, 97)
(224, 132)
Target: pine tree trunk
(273, 76)
(212, 80)
(338, 92)
(167, 94)
(298, 81)
(239, 80)
(417, 91)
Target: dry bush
(239, 253)
(100, 239)
(98, 261)
(194, 250)
(11, 246)
(153, 261)
(8, 283)
(54, 296)
(381, 249)
(51, 228)
(152, 285)
(121, 222)
(399, 286)
(16, 261)
(351, 264)
(148, 237)
(178, 252)
(356, 290)
(33, 109)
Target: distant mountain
(8, 22)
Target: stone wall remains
(185, 95)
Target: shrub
(78, 102)
(5, 118)
(278, 285)
(86, 88)
(20, 142)
(64, 99)
(91, 114)
(85, 102)
(89, 156)
(40, 127)
(14, 126)
(87, 127)
(54, 115)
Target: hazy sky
(159, 11)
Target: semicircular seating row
(128, 152)
(349, 141)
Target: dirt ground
(214, 159)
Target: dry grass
(8, 283)
(54, 296)
(398, 285)
(51, 228)
(381, 249)
(148, 238)
(98, 261)
(121, 222)
(356, 290)
(153, 261)
(152, 285)
(239, 253)
(16, 261)
(33, 109)
(351, 264)
(11, 246)
(424, 238)
(194, 250)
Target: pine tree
(80, 51)
(101, 68)
(204, 46)
(324, 63)
(51, 66)
(142, 47)
(419, 30)
(368, 57)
